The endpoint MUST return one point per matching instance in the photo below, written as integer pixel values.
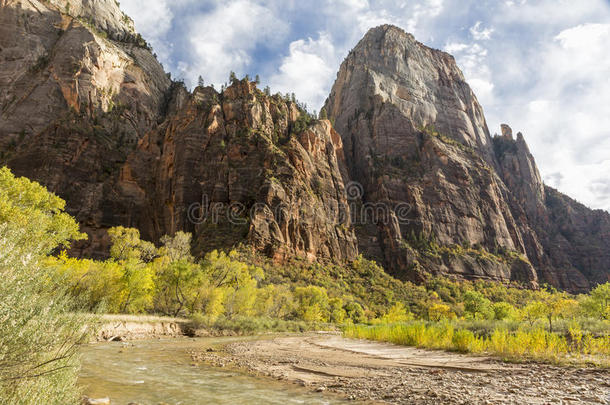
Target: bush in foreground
(39, 333)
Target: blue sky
(541, 66)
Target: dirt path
(378, 372)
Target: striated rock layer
(411, 177)
(413, 132)
(74, 102)
(89, 112)
(230, 167)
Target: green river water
(161, 371)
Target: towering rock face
(419, 86)
(576, 240)
(414, 134)
(519, 172)
(567, 242)
(241, 166)
(79, 89)
(89, 112)
(411, 176)
(56, 57)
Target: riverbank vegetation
(141, 278)
(45, 292)
(40, 325)
(523, 343)
(247, 293)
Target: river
(161, 371)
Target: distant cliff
(407, 172)
(413, 131)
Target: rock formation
(74, 102)
(408, 174)
(414, 132)
(240, 166)
(89, 112)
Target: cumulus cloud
(570, 119)
(307, 70)
(565, 114)
(472, 59)
(223, 39)
(480, 34)
(153, 19)
(424, 10)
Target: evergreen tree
(200, 81)
(323, 114)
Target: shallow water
(154, 371)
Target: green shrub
(39, 331)
(463, 340)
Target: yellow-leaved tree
(39, 325)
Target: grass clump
(521, 345)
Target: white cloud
(480, 34)
(424, 10)
(308, 70)
(483, 89)
(568, 115)
(547, 13)
(153, 19)
(583, 49)
(352, 5)
(222, 40)
(472, 59)
(511, 3)
(455, 47)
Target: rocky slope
(75, 101)
(414, 132)
(241, 166)
(89, 112)
(409, 174)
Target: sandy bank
(134, 327)
(379, 372)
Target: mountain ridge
(89, 112)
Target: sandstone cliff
(241, 166)
(408, 174)
(566, 242)
(79, 90)
(414, 132)
(89, 112)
